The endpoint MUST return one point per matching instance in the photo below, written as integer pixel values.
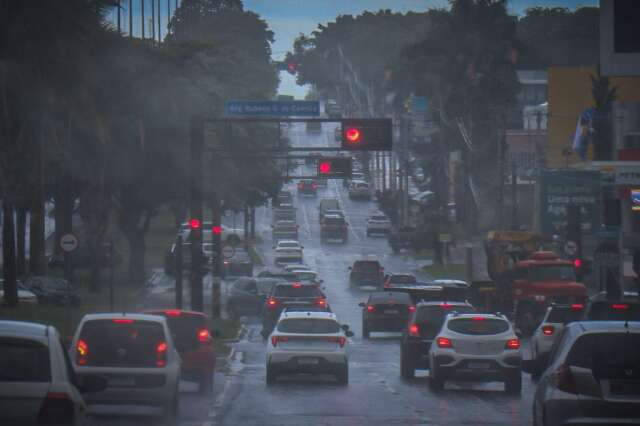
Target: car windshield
(552, 272)
(366, 266)
(478, 326)
(125, 343)
(308, 326)
(23, 360)
(296, 291)
(305, 276)
(289, 245)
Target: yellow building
(569, 95)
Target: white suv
(378, 223)
(477, 347)
(137, 356)
(308, 342)
(288, 251)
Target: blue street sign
(272, 108)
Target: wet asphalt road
(376, 394)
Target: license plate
(391, 312)
(308, 361)
(121, 382)
(479, 365)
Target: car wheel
(407, 370)
(205, 385)
(343, 376)
(365, 330)
(513, 383)
(436, 381)
(271, 375)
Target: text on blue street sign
(271, 108)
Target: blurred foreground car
(24, 295)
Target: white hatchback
(555, 320)
(308, 342)
(137, 356)
(288, 251)
(476, 347)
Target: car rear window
(614, 311)
(480, 326)
(379, 218)
(366, 266)
(306, 276)
(265, 285)
(308, 326)
(288, 245)
(118, 344)
(23, 360)
(431, 318)
(564, 315)
(301, 291)
(334, 221)
(609, 355)
(362, 185)
(330, 204)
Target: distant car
(366, 272)
(402, 279)
(355, 176)
(137, 355)
(422, 326)
(592, 376)
(378, 224)
(286, 212)
(37, 384)
(284, 230)
(359, 190)
(334, 227)
(385, 311)
(240, 264)
(280, 275)
(285, 295)
(288, 251)
(194, 343)
(25, 296)
(307, 276)
(296, 266)
(308, 187)
(553, 323)
(476, 347)
(602, 308)
(327, 204)
(246, 296)
(52, 290)
(231, 236)
(308, 342)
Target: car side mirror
(345, 327)
(91, 383)
(348, 333)
(362, 304)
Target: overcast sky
(289, 18)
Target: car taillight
(564, 379)
(314, 186)
(371, 308)
(272, 303)
(444, 342)
(173, 313)
(204, 336)
(297, 285)
(445, 305)
(123, 320)
(620, 306)
(414, 330)
(82, 352)
(278, 339)
(478, 318)
(161, 354)
(548, 330)
(341, 340)
(411, 308)
(577, 306)
(56, 409)
(300, 186)
(512, 344)
(322, 302)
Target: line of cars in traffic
(116, 364)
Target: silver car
(593, 376)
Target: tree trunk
(36, 236)
(21, 232)
(9, 255)
(137, 251)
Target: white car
(37, 385)
(359, 189)
(307, 276)
(308, 342)
(555, 320)
(24, 295)
(287, 251)
(137, 355)
(476, 347)
(378, 223)
(296, 266)
(228, 235)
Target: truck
(525, 278)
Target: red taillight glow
(161, 354)
(620, 306)
(479, 318)
(56, 409)
(314, 185)
(444, 342)
(272, 303)
(414, 330)
(278, 339)
(513, 344)
(341, 340)
(123, 320)
(297, 285)
(195, 223)
(82, 352)
(173, 313)
(300, 186)
(411, 308)
(445, 305)
(204, 336)
(577, 306)
(322, 302)
(548, 330)
(371, 308)
(217, 230)
(352, 134)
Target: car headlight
(539, 297)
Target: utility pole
(153, 20)
(118, 10)
(159, 24)
(514, 197)
(500, 157)
(178, 272)
(216, 261)
(142, 19)
(195, 200)
(130, 18)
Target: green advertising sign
(563, 187)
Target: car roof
(448, 282)
(627, 297)
(604, 326)
(309, 314)
(296, 283)
(386, 295)
(401, 274)
(23, 328)
(288, 241)
(133, 316)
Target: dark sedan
(386, 311)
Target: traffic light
(334, 167)
(366, 134)
(573, 239)
(217, 230)
(194, 224)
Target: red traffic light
(325, 167)
(292, 68)
(352, 135)
(577, 263)
(195, 223)
(217, 230)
